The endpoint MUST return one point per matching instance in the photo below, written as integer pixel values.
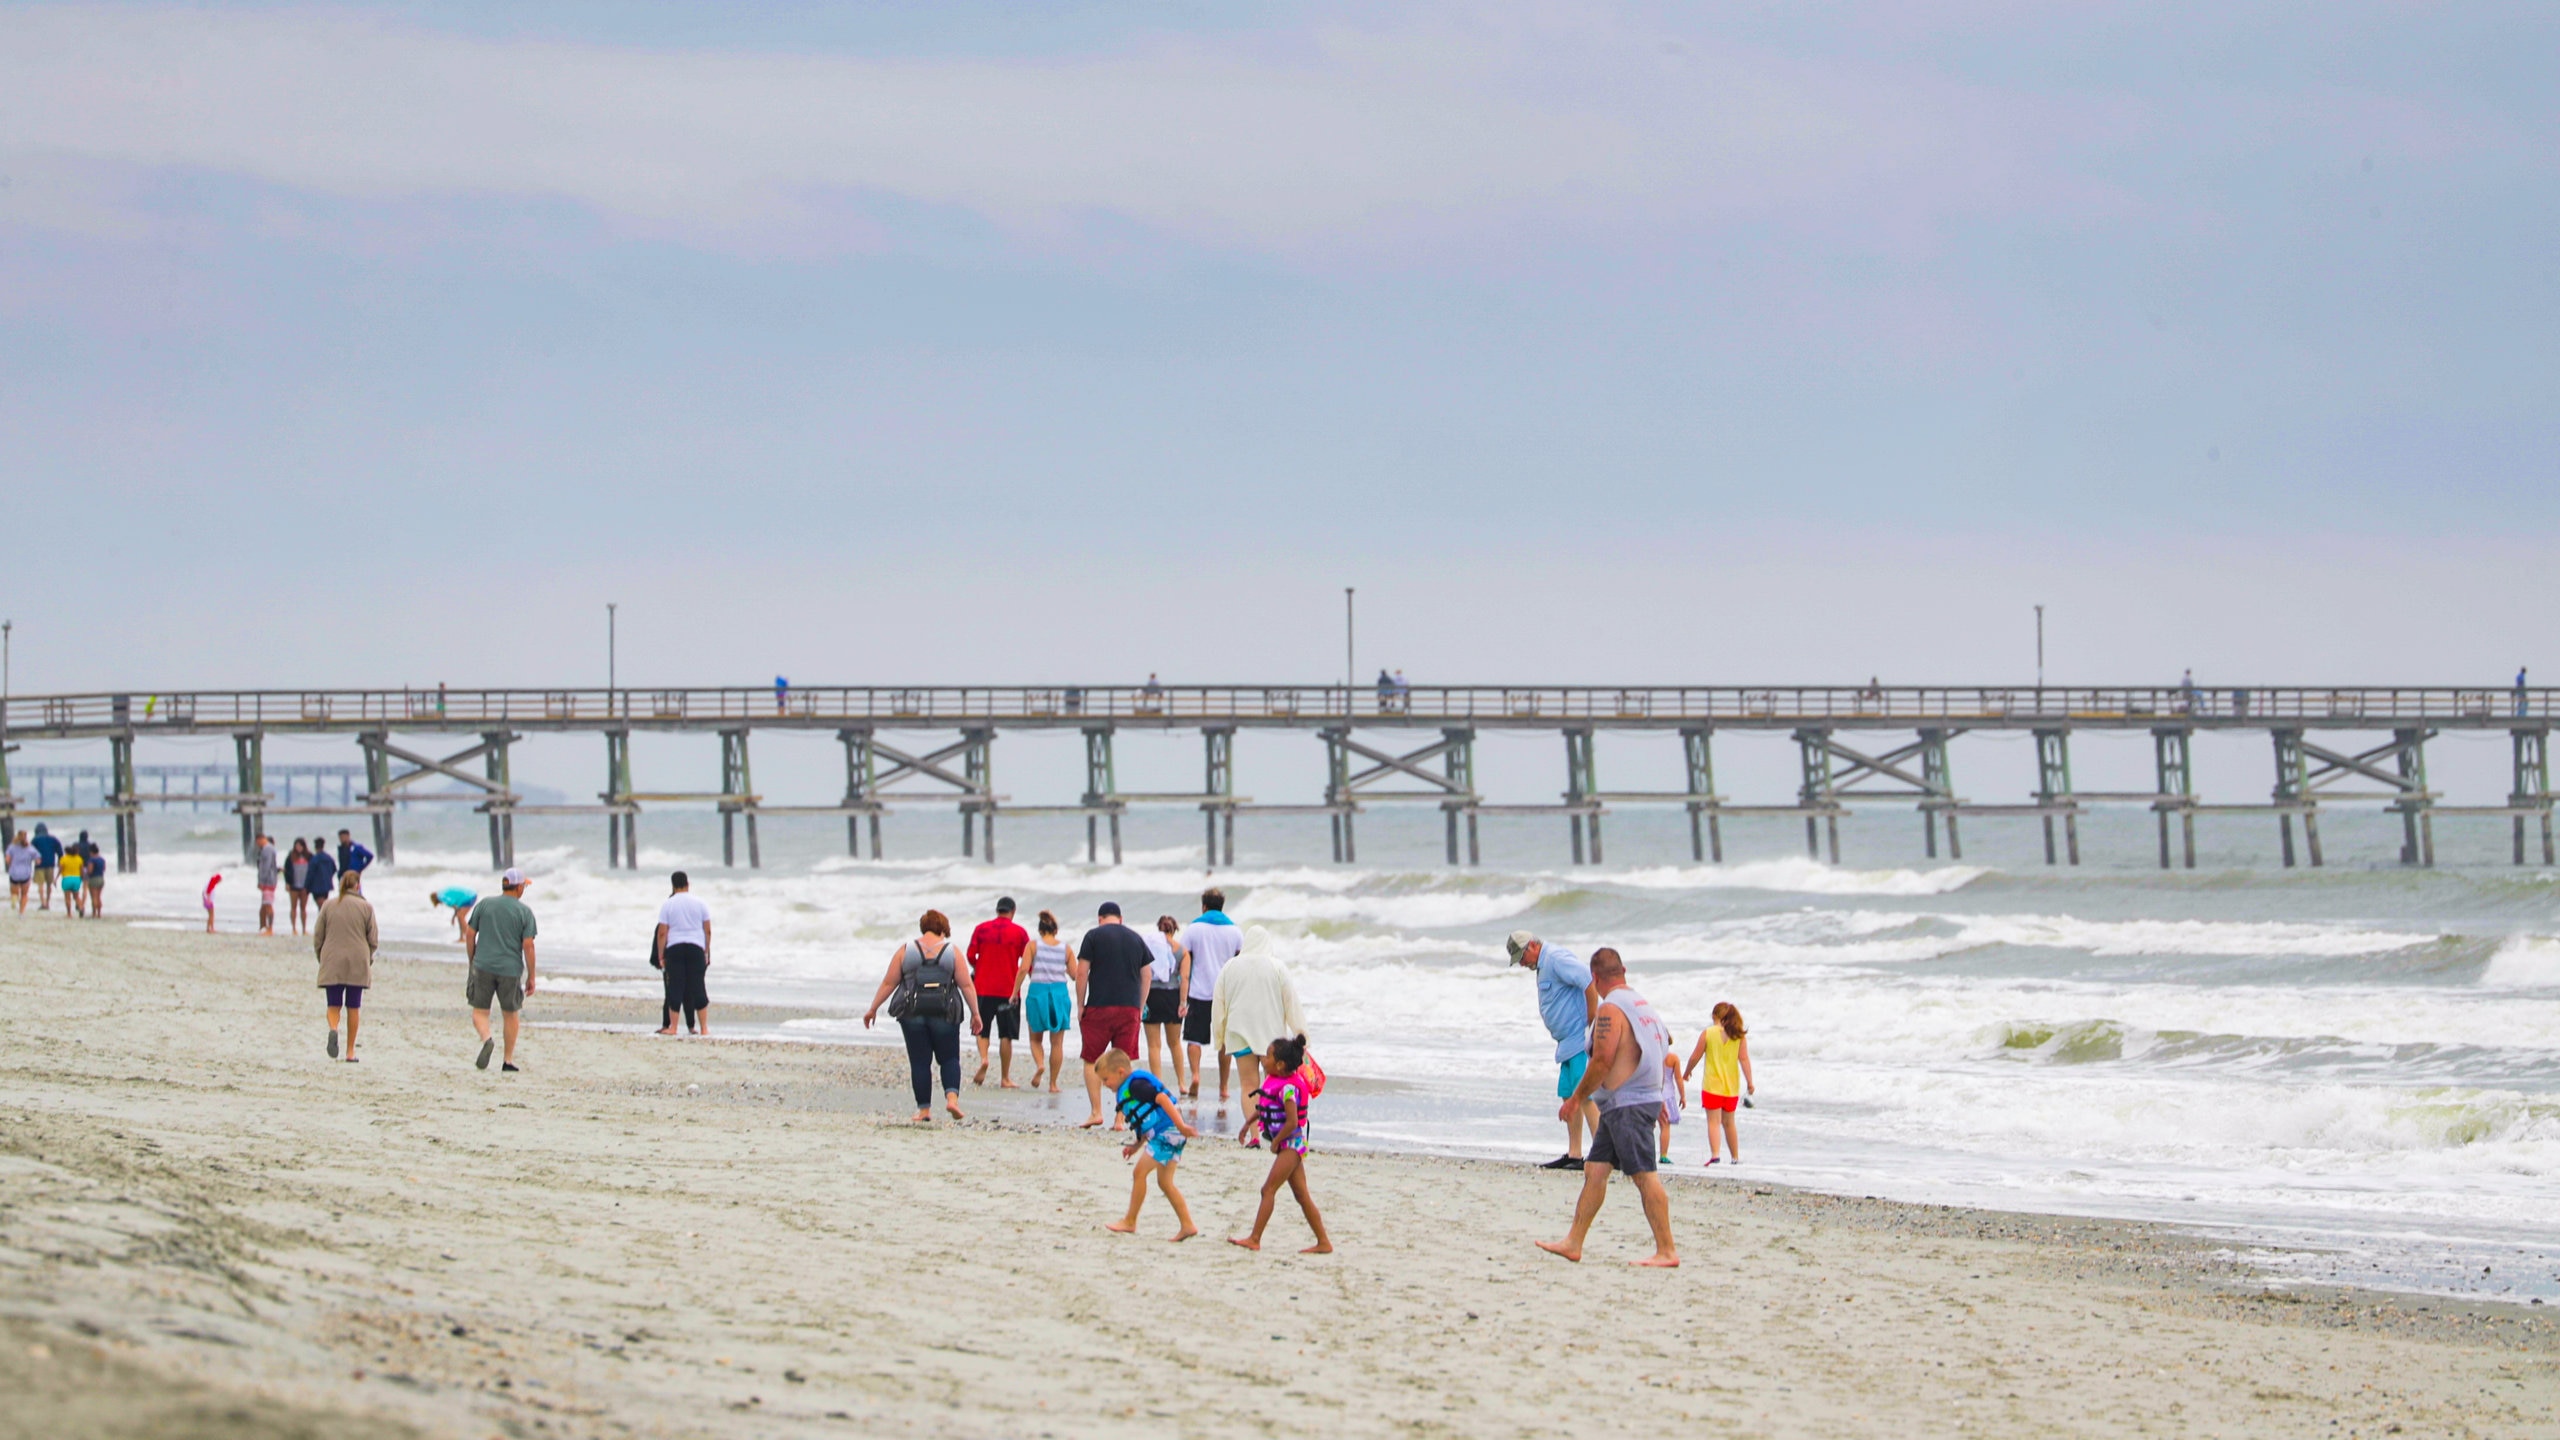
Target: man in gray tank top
(1628, 1042)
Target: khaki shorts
(483, 987)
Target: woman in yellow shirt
(1727, 1057)
(72, 861)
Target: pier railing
(1068, 706)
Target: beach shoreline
(641, 1236)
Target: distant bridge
(2313, 763)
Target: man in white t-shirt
(683, 951)
(1211, 941)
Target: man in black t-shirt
(1110, 971)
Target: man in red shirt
(996, 951)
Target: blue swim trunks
(1165, 1146)
(1569, 1075)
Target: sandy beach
(206, 1227)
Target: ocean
(2349, 1074)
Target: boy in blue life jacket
(1157, 1127)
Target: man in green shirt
(499, 933)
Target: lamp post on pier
(2039, 647)
(612, 653)
(1350, 669)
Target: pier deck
(2388, 763)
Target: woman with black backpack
(925, 996)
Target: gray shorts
(483, 987)
(1624, 1141)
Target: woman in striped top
(1047, 1006)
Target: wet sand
(204, 1224)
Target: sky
(1720, 343)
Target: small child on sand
(1674, 1093)
(1280, 1114)
(208, 900)
(1146, 1103)
(1727, 1057)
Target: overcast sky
(385, 344)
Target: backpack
(1313, 1074)
(928, 988)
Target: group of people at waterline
(1620, 1081)
(1193, 995)
(41, 862)
(1194, 990)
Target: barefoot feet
(1558, 1247)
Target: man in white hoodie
(1256, 1003)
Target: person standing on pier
(684, 956)
(500, 933)
(1629, 1046)
(996, 972)
(2520, 698)
(1568, 1003)
(1210, 941)
(270, 870)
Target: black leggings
(927, 1042)
(687, 968)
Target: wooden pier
(2329, 745)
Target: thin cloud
(1341, 140)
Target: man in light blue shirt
(1567, 1003)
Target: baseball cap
(511, 879)
(1519, 943)
(1109, 907)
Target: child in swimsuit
(1280, 1115)
(1727, 1057)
